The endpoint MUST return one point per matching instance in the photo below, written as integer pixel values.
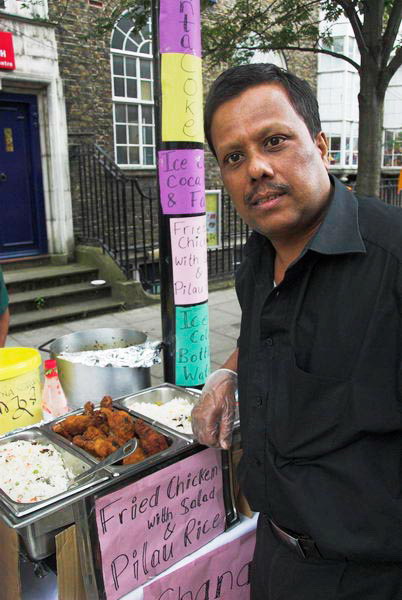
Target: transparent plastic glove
(213, 416)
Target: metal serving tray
(160, 394)
(72, 460)
(176, 445)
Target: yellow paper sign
(20, 401)
(181, 98)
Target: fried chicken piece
(137, 456)
(72, 425)
(121, 424)
(89, 408)
(150, 440)
(107, 402)
(100, 447)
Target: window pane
(133, 134)
(146, 90)
(118, 65)
(130, 46)
(134, 154)
(147, 137)
(125, 24)
(121, 134)
(136, 38)
(347, 143)
(335, 143)
(121, 155)
(145, 68)
(117, 40)
(148, 155)
(338, 44)
(120, 113)
(119, 86)
(147, 114)
(131, 68)
(132, 113)
(146, 48)
(131, 88)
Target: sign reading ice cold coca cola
(7, 60)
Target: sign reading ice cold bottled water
(149, 525)
(192, 345)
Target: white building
(34, 172)
(337, 90)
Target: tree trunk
(371, 115)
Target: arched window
(132, 84)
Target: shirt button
(269, 341)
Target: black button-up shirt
(320, 381)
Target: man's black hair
(234, 81)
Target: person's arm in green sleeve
(4, 323)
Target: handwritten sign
(181, 181)
(179, 26)
(192, 345)
(213, 212)
(181, 98)
(189, 255)
(222, 573)
(151, 524)
(20, 401)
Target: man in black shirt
(319, 354)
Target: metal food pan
(175, 446)
(160, 394)
(72, 460)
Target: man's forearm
(4, 322)
(231, 362)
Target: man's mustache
(260, 190)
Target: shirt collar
(339, 233)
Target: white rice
(30, 472)
(175, 413)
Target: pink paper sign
(222, 573)
(181, 181)
(179, 26)
(189, 255)
(149, 525)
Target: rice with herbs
(31, 472)
(175, 413)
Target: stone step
(35, 278)
(12, 264)
(41, 298)
(38, 318)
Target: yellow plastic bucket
(20, 388)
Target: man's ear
(322, 144)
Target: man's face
(275, 173)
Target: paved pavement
(224, 320)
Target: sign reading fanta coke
(7, 60)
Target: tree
(235, 30)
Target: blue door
(22, 216)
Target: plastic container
(54, 403)
(20, 388)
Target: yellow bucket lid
(17, 361)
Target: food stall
(118, 530)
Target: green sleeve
(3, 294)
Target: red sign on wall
(7, 60)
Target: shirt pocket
(308, 411)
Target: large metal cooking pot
(81, 383)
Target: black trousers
(277, 573)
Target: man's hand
(213, 416)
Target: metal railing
(113, 211)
